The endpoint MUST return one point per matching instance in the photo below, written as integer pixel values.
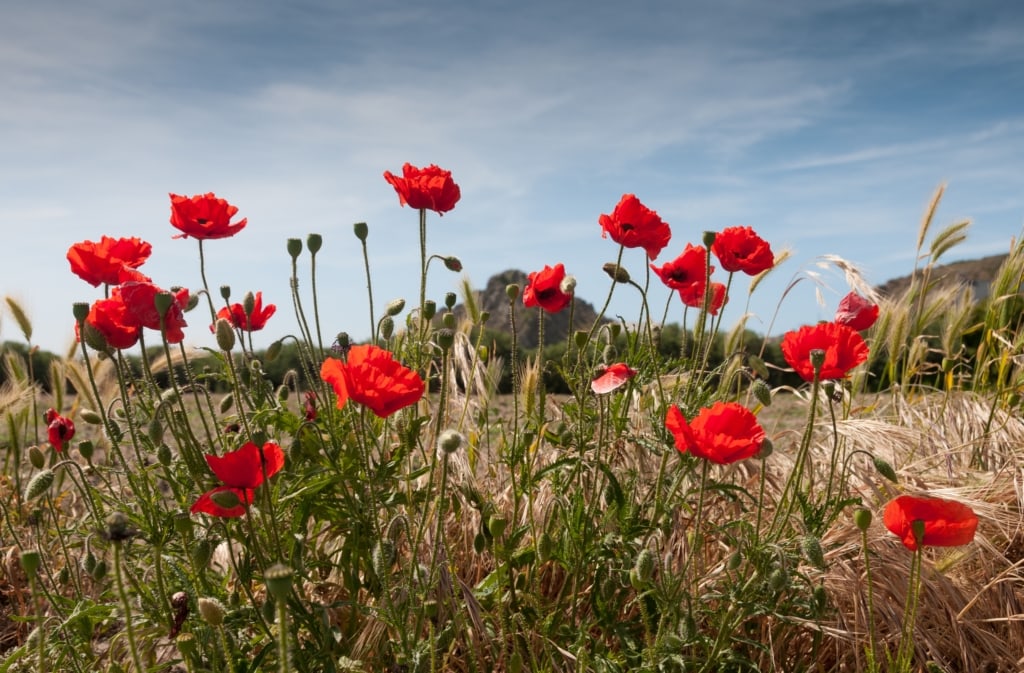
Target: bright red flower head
(111, 318)
(544, 289)
(372, 377)
(204, 216)
(139, 299)
(634, 225)
(693, 296)
(59, 430)
(686, 270)
(241, 472)
(725, 432)
(740, 249)
(613, 376)
(235, 314)
(100, 262)
(857, 312)
(843, 346)
(947, 523)
(429, 188)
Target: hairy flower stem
(421, 322)
(282, 636)
(869, 648)
(206, 286)
(316, 305)
(126, 606)
(905, 653)
(369, 290)
(795, 479)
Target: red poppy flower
(241, 472)
(429, 188)
(740, 249)
(693, 296)
(111, 318)
(204, 216)
(857, 312)
(843, 346)
(99, 262)
(613, 376)
(59, 430)
(544, 289)
(139, 298)
(372, 377)
(725, 432)
(235, 314)
(947, 523)
(634, 225)
(686, 270)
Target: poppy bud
(479, 543)
(36, 457)
(778, 579)
(86, 448)
(227, 402)
(94, 338)
(225, 292)
(387, 327)
(644, 565)
(735, 560)
(758, 366)
(273, 350)
(761, 392)
(279, 581)
(360, 230)
(38, 484)
(30, 561)
(496, 525)
(201, 552)
(182, 523)
(249, 303)
(394, 307)
(812, 551)
(225, 499)
(90, 416)
(191, 303)
(545, 545)
(885, 469)
(155, 431)
(212, 610)
(384, 555)
(164, 455)
(616, 272)
(80, 310)
(512, 291)
(225, 335)
(294, 246)
(484, 316)
(314, 242)
(450, 440)
(99, 571)
(89, 562)
(452, 263)
(767, 448)
(862, 519)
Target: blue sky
(824, 124)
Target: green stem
(126, 606)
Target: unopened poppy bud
(616, 272)
(862, 519)
(30, 561)
(80, 310)
(609, 353)
(448, 320)
(450, 440)
(812, 551)
(817, 357)
(429, 309)
(394, 307)
(314, 242)
(479, 543)
(484, 316)
(383, 556)
(94, 338)
(279, 581)
(449, 300)
(225, 499)
(273, 350)
(767, 448)
(885, 469)
(163, 301)
(580, 338)
(294, 246)
(86, 448)
(512, 291)
(360, 229)
(778, 579)
(452, 263)
(164, 455)
(38, 484)
(545, 546)
(568, 285)
(735, 560)
(36, 457)
(155, 431)
(762, 393)
(708, 238)
(201, 552)
(212, 610)
(191, 302)
(118, 528)
(758, 366)
(89, 561)
(90, 416)
(387, 327)
(283, 393)
(227, 402)
(249, 303)
(99, 571)
(225, 335)
(644, 565)
(445, 338)
(225, 292)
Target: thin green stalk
(126, 606)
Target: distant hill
(978, 273)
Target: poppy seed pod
(360, 229)
(448, 320)
(314, 242)
(862, 519)
(449, 300)
(429, 309)
(279, 581)
(512, 291)
(163, 302)
(80, 310)
(225, 292)
(294, 246)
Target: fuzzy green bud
(273, 350)
(757, 366)
(568, 285)
(616, 272)
(885, 469)
(512, 291)
(36, 457)
(86, 448)
(90, 416)
(450, 440)
(361, 230)
(94, 338)
(452, 263)
(39, 484)
(249, 303)
(211, 610)
(644, 565)
(767, 449)
(279, 581)
(155, 430)
(30, 561)
(862, 519)
(227, 402)
(283, 393)
(735, 560)
(394, 307)
(314, 242)
(762, 393)
(384, 555)
(100, 571)
(484, 317)
(182, 523)
(225, 335)
(479, 543)
(118, 528)
(778, 579)
(545, 546)
(387, 327)
(496, 526)
(813, 552)
(164, 455)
